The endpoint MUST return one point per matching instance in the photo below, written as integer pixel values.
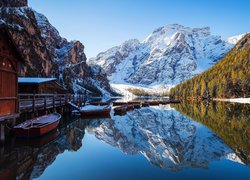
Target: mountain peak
(178, 27)
(168, 56)
(171, 30)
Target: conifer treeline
(229, 78)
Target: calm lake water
(180, 141)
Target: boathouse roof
(31, 80)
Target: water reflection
(230, 121)
(171, 137)
(167, 138)
(27, 159)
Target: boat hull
(38, 126)
(137, 106)
(130, 107)
(36, 132)
(175, 101)
(105, 113)
(122, 110)
(119, 103)
(145, 105)
(99, 103)
(152, 103)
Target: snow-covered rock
(234, 39)
(168, 56)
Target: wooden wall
(8, 76)
(50, 87)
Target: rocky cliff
(47, 54)
(13, 3)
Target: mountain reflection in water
(165, 135)
(167, 138)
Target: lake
(178, 141)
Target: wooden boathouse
(29, 85)
(9, 60)
(10, 57)
(25, 97)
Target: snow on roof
(93, 108)
(34, 80)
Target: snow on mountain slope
(168, 56)
(234, 39)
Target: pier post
(45, 103)
(54, 110)
(2, 133)
(34, 103)
(60, 100)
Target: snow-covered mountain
(165, 137)
(168, 56)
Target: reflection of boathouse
(9, 59)
(29, 159)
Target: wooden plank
(8, 98)
(12, 116)
(40, 103)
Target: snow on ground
(237, 100)
(123, 89)
(92, 108)
(241, 100)
(235, 39)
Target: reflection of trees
(32, 161)
(230, 121)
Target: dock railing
(34, 102)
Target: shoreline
(236, 100)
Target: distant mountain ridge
(168, 56)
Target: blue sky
(102, 24)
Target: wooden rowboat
(130, 107)
(119, 103)
(145, 104)
(164, 102)
(91, 111)
(153, 103)
(175, 101)
(134, 102)
(99, 103)
(137, 106)
(121, 110)
(38, 126)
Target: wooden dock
(35, 102)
